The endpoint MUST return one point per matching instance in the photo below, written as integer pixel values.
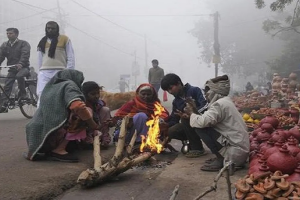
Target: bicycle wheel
(28, 106)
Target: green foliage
(277, 5)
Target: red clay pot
(282, 161)
(294, 176)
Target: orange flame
(152, 141)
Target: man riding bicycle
(17, 53)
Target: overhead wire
(95, 38)
(122, 27)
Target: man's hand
(109, 123)
(163, 126)
(18, 66)
(190, 107)
(182, 114)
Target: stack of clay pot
(276, 83)
(284, 85)
(292, 83)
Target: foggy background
(108, 36)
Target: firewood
(119, 163)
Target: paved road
(22, 179)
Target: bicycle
(27, 105)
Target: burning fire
(151, 141)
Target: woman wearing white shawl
(221, 127)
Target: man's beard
(51, 36)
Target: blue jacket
(179, 103)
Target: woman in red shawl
(140, 109)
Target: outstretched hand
(182, 114)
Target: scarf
(54, 40)
(219, 87)
(137, 105)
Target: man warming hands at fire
(221, 127)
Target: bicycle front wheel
(28, 106)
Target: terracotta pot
(255, 166)
(298, 157)
(271, 120)
(267, 127)
(282, 161)
(254, 133)
(292, 146)
(263, 136)
(275, 148)
(293, 76)
(294, 176)
(285, 80)
(295, 132)
(267, 145)
(293, 84)
(262, 169)
(294, 112)
(277, 135)
(254, 146)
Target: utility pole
(216, 57)
(146, 58)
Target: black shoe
(63, 158)
(3, 109)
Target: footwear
(209, 161)
(195, 153)
(215, 166)
(3, 109)
(62, 158)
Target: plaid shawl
(137, 105)
(58, 94)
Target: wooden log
(119, 163)
(97, 156)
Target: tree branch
(213, 187)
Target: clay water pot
(271, 120)
(295, 132)
(254, 158)
(298, 157)
(254, 146)
(294, 112)
(293, 76)
(267, 127)
(255, 167)
(294, 176)
(275, 148)
(277, 135)
(262, 169)
(292, 146)
(269, 144)
(263, 136)
(282, 161)
(255, 132)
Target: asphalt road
(22, 179)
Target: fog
(108, 36)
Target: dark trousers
(156, 86)
(183, 131)
(12, 75)
(209, 136)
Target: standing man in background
(155, 75)
(123, 85)
(17, 52)
(55, 53)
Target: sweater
(60, 58)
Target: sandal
(63, 158)
(209, 161)
(195, 153)
(213, 167)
